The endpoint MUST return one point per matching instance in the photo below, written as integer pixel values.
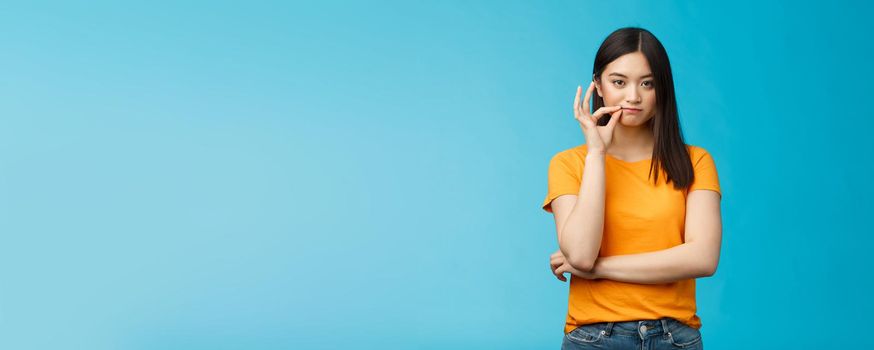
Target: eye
(648, 82)
(618, 81)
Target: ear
(597, 86)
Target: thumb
(614, 118)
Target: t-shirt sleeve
(706, 177)
(563, 178)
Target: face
(628, 82)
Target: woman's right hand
(559, 265)
(598, 138)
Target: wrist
(596, 154)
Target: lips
(630, 110)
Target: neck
(628, 140)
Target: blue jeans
(663, 333)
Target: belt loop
(609, 328)
(665, 326)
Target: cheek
(612, 97)
(651, 100)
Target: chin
(633, 121)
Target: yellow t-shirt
(639, 217)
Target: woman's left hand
(559, 266)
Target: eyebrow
(621, 75)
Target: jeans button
(643, 329)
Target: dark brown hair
(669, 151)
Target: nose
(633, 96)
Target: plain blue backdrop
(368, 175)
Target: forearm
(580, 237)
(664, 266)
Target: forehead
(633, 65)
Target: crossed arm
(697, 257)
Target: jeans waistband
(641, 327)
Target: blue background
(272, 175)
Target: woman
(636, 210)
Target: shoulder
(697, 153)
(702, 161)
(571, 155)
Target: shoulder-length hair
(669, 151)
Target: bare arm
(697, 257)
(580, 219)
